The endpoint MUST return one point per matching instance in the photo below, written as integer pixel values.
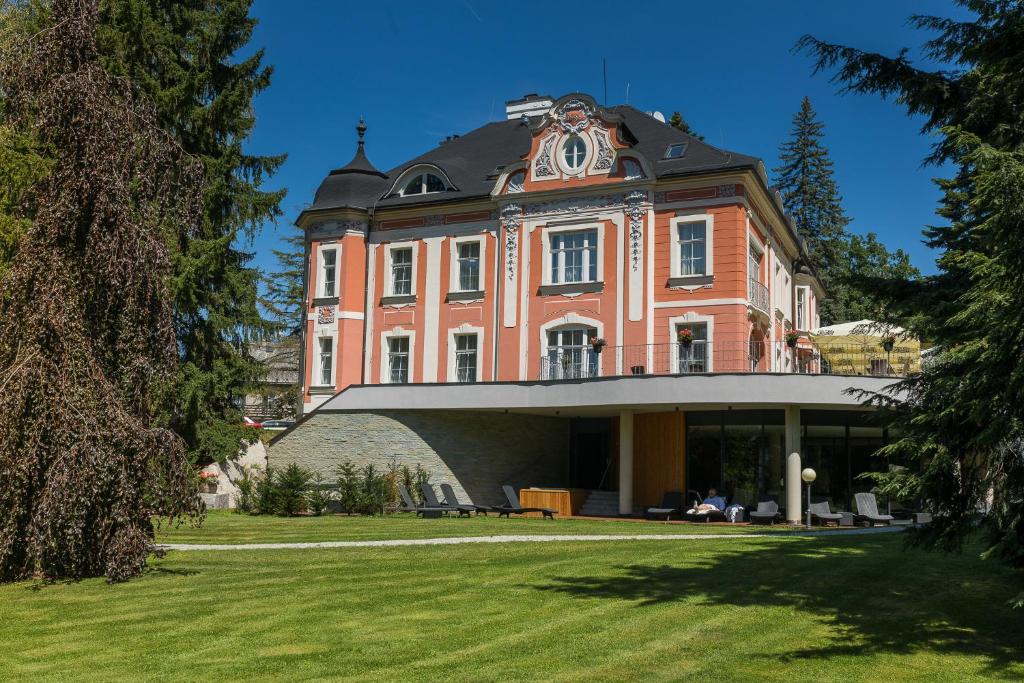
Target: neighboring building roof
(472, 162)
(867, 328)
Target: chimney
(529, 105)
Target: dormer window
(424, 183)
(574, 152)
(676, 151)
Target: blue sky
(419, 71)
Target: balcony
(757, 295)
(723, 357)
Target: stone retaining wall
(475, 452)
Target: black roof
(472, 162)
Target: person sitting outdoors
(712, 502)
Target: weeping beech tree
(86, 336)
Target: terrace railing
(724, 357)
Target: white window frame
(802, 319)
(453, 375)
(571, 320)
(692, 318)
(317, 379)
(584, 161)
(454, 281)
(552, 230)
(389, 289)
(755, 249)
(321, 272)
(709, 243)
(385, 353)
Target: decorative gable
(574, 140)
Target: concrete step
(601, 504)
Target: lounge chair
(409, 505)
(867, 510)
(453, 501)
(431, 500)
(671, 504)
(515, 508)
(767, 512)
(824, 514)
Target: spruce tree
(184, 55)
(844, 262)
(284, 301)
(679, 123)
(961, 419)
(811, 196)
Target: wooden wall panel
(566, 501)
(659, 456)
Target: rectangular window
(692, 240)
(329, 258)
(469, 267)
(401, 271)
(465, 357)
(693, 357)
(801, 309)
(755, 265)
(398, 360)
(326, 361)
(574, 257)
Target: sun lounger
(824, 514)
(452, 500)
(409, 505)
(671, 504)
(515, 508)
(767, 512)
(867, 510)
(431, 501)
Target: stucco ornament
(325, 315)
(604, 150)
(635, 210)
(574, 116)
(511, 216)
(544, 166)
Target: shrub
(290, 486)
(349, 489)
(374, 491)
(319, 495)
(245, 499)
(265, 502)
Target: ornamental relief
(325, 315)
(511, 216)
(544, 166)
(603, 160)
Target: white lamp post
(808, 475)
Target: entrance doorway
(590, 454)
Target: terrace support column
(626, 462)
(793, 497)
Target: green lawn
(774, 608)
(228, 527)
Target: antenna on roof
(627, 93)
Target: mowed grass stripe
(857, 608)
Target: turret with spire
(359, 163)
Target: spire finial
(361, 129)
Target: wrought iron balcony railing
(758, 296)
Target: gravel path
(539, 538)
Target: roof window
(424, 183)
(675, 151)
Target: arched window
(574, 152)
(424, 183)
(570, 354)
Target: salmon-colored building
(571, 247)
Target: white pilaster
(432, 304)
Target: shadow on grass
(878, 598)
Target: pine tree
(843, 262)
(961, 419)
(679, 123)
(184, 55)
(810, 194)
(284, 300)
